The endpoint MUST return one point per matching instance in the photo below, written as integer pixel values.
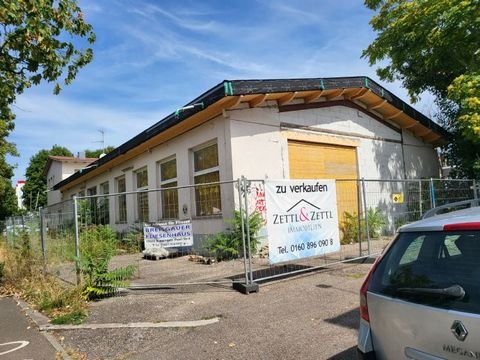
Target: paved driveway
(314, 316)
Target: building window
(104, 204)
(206, 170)
(90, 211)
(141, 177)
(169, 196)
(121, 200)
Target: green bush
(229, 244)
(349, 228)
(132, 242)
(350, 225)
(98, 244)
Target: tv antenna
(101, 131)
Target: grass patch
(75, 317)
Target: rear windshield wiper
(455, 291)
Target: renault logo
(459, 330)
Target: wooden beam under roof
(425, 131)
(393, 116)
(236, 100)
(359, 91)
(335, 94)
(361, 94)
(377, 105)
(410, 124)
(286, 98)
(432, 137)
(311, 98)
(258, 100)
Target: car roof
(436, 223)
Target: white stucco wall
(252, 143)
(260, 150)
(421, 159)
(58, 171)
(182, 148)
(54, 176)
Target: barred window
(142, 196)
(169, 196)
(121, 200)
(206, 170)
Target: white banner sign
(302, 219)
(168, 234)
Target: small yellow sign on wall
(397, 198)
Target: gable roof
(66, 159)
(228, 94)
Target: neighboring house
(59, 168)
(19, 193)
(330, 128)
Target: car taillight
(462, 226)
(363, 291)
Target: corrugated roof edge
(246, 87)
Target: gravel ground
(313, 316)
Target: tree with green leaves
(98, 152)
(35, 189)
(434, 45)
(8, 204)
(38, 42)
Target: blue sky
(152, 57)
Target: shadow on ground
(348, 354)
(349, 319)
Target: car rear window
(419, 262)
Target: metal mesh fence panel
(173, 235)
(451, 190)
(369, 214)
(348, 205)
(59, 240)
(21, 244)
(198, 234)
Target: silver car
(421, 299)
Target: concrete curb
(41, 320)
(165, 324)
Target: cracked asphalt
(313, 316)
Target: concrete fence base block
(246, 288)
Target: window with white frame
(141, 181)
(205, 171)
(121, 208)
(169, 192)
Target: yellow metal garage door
(323, 161)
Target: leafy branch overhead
(38, 42)
(34, 46)
(428, 43)
(434, 45)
